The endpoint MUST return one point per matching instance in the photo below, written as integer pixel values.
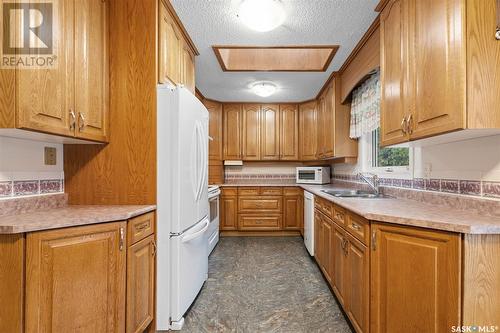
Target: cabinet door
(232, 131)
(214, 129)
(415, 280)
(140, 284)
(228, 213)
(170, 44)
(308, 130)
(188, 72)
(289, 132)
(318, 251)
(320, 134)
(358, 284)
(293, 213)
(75, 279)
(327, 246)
(339, 283)
(45, 97)
(394, 74)
(438, 57)
(251, 132)
(270, 133)
(91, 69)
(329, 122)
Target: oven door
(213, 228)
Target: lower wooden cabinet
(323, 244)
(92, 278)
(228, 209)
(140, 284)
(415, 280)
(262, 208)
(357, 291)
(75, 279)
(339, 264)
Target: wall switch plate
(50, 156)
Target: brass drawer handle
(142, 226)
(72, 122)
(81, 121)
(403, 125)
(153, 253)
(355, 226)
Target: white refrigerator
(182, 203)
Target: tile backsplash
(476, 188)
(23, 171)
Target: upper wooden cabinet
(232, 117)
(333, 123)
(270, 132)
(251, 129)
(439, 68)
(176, 51)
(307, 129)
(70, 99)
(214, 129)
(416, 264)
(289, 132)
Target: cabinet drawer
(140, 227)
(359, 227)
(259, 204)
(271, 191)
(293, 191)
(258, 222)
(248, 191)
(339, 215)
(229, 191)
(324, 206)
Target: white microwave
(313, 175)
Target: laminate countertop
(69, 216)
(413, 213)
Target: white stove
(213, 228)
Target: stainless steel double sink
(355, 194)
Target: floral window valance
(365, 107)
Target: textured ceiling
(308, 22)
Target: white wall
(24, 160)
(474, 159)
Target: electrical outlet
(50, 156)
(428, 170)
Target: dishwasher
(309, 222)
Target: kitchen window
(385, 161)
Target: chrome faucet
(373, 182)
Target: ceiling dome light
(264, 89)
(262, 15)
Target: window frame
(400, 172)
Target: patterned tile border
(454, 186)
(21, 188)
(256, 176)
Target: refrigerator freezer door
(189, 268)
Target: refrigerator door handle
(194, 235)
(199, 157)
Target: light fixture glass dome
(262, 15)
(264, 89)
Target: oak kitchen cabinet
(333, 123)
(78, 84)
(259, 209)
(215, 148)
(308, 130)
(342, 242)
(232, 137)
(176, 51)
(261, 132)
(103, 272)
(415, 264)
(439, 68)
(398, 278)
